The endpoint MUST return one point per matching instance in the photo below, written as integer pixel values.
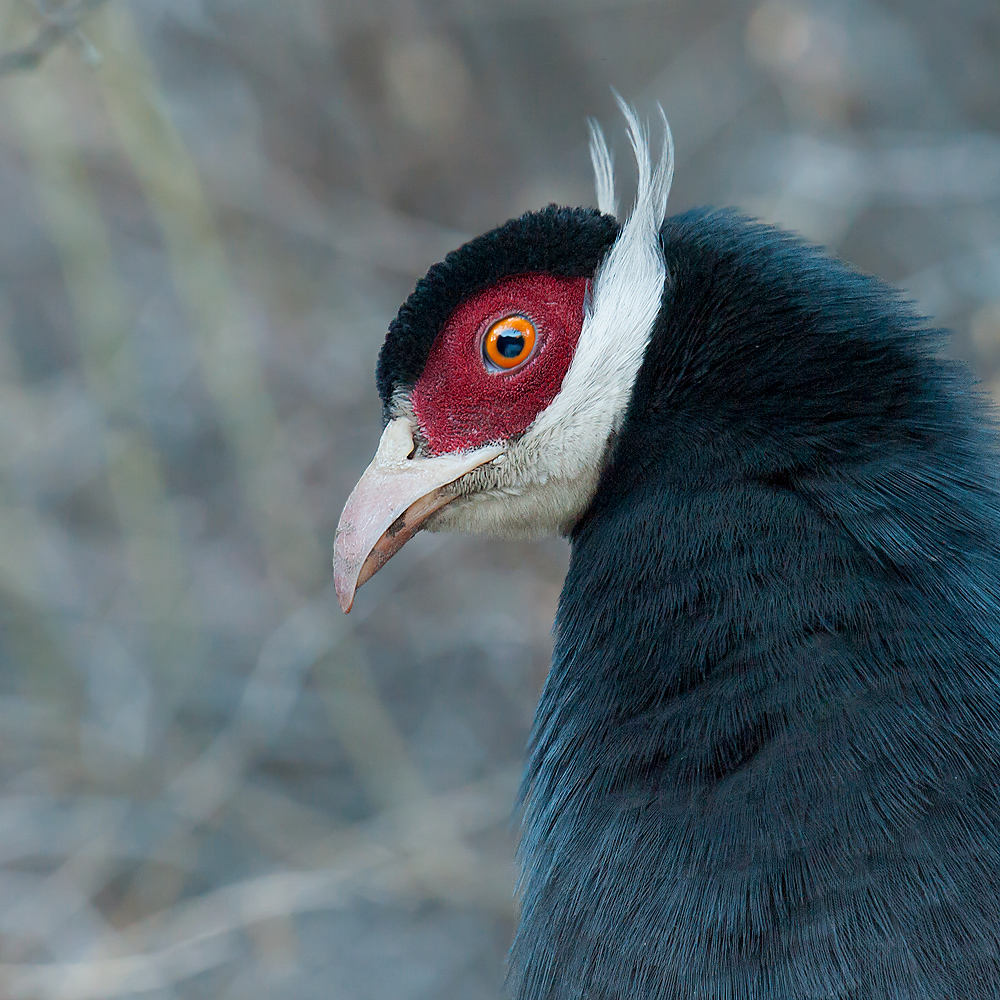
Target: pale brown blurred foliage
(214, 784)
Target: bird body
(765, 763)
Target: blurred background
(212, 783)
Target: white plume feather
(604, 170)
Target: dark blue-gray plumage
(766, 762)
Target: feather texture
(766, 763)
(604, 170)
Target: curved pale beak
(391, 502)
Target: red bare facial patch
(459, 402)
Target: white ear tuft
(665, 168)
(654, 183)
(604, 170)
(628, 286)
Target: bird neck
(678, 604)
(727, 650)
(676, 633)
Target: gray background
(213, 783)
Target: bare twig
(414, 850)
(59, 26)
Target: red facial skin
(460, 402)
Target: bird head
(507, 372)
(542, 368)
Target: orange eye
(509, 342)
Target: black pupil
(510, 345)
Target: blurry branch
(413, 851)
(223, 331)
(99, 301)
(945, 287)
(357, 227)
(413, 848)
(417, 838)
(60, 25)
(901, 170)
(223, 325)
(725, 87)
(819, 187)
(134, 476)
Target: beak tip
(346, 600)
(390, 504)
(345, 585)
